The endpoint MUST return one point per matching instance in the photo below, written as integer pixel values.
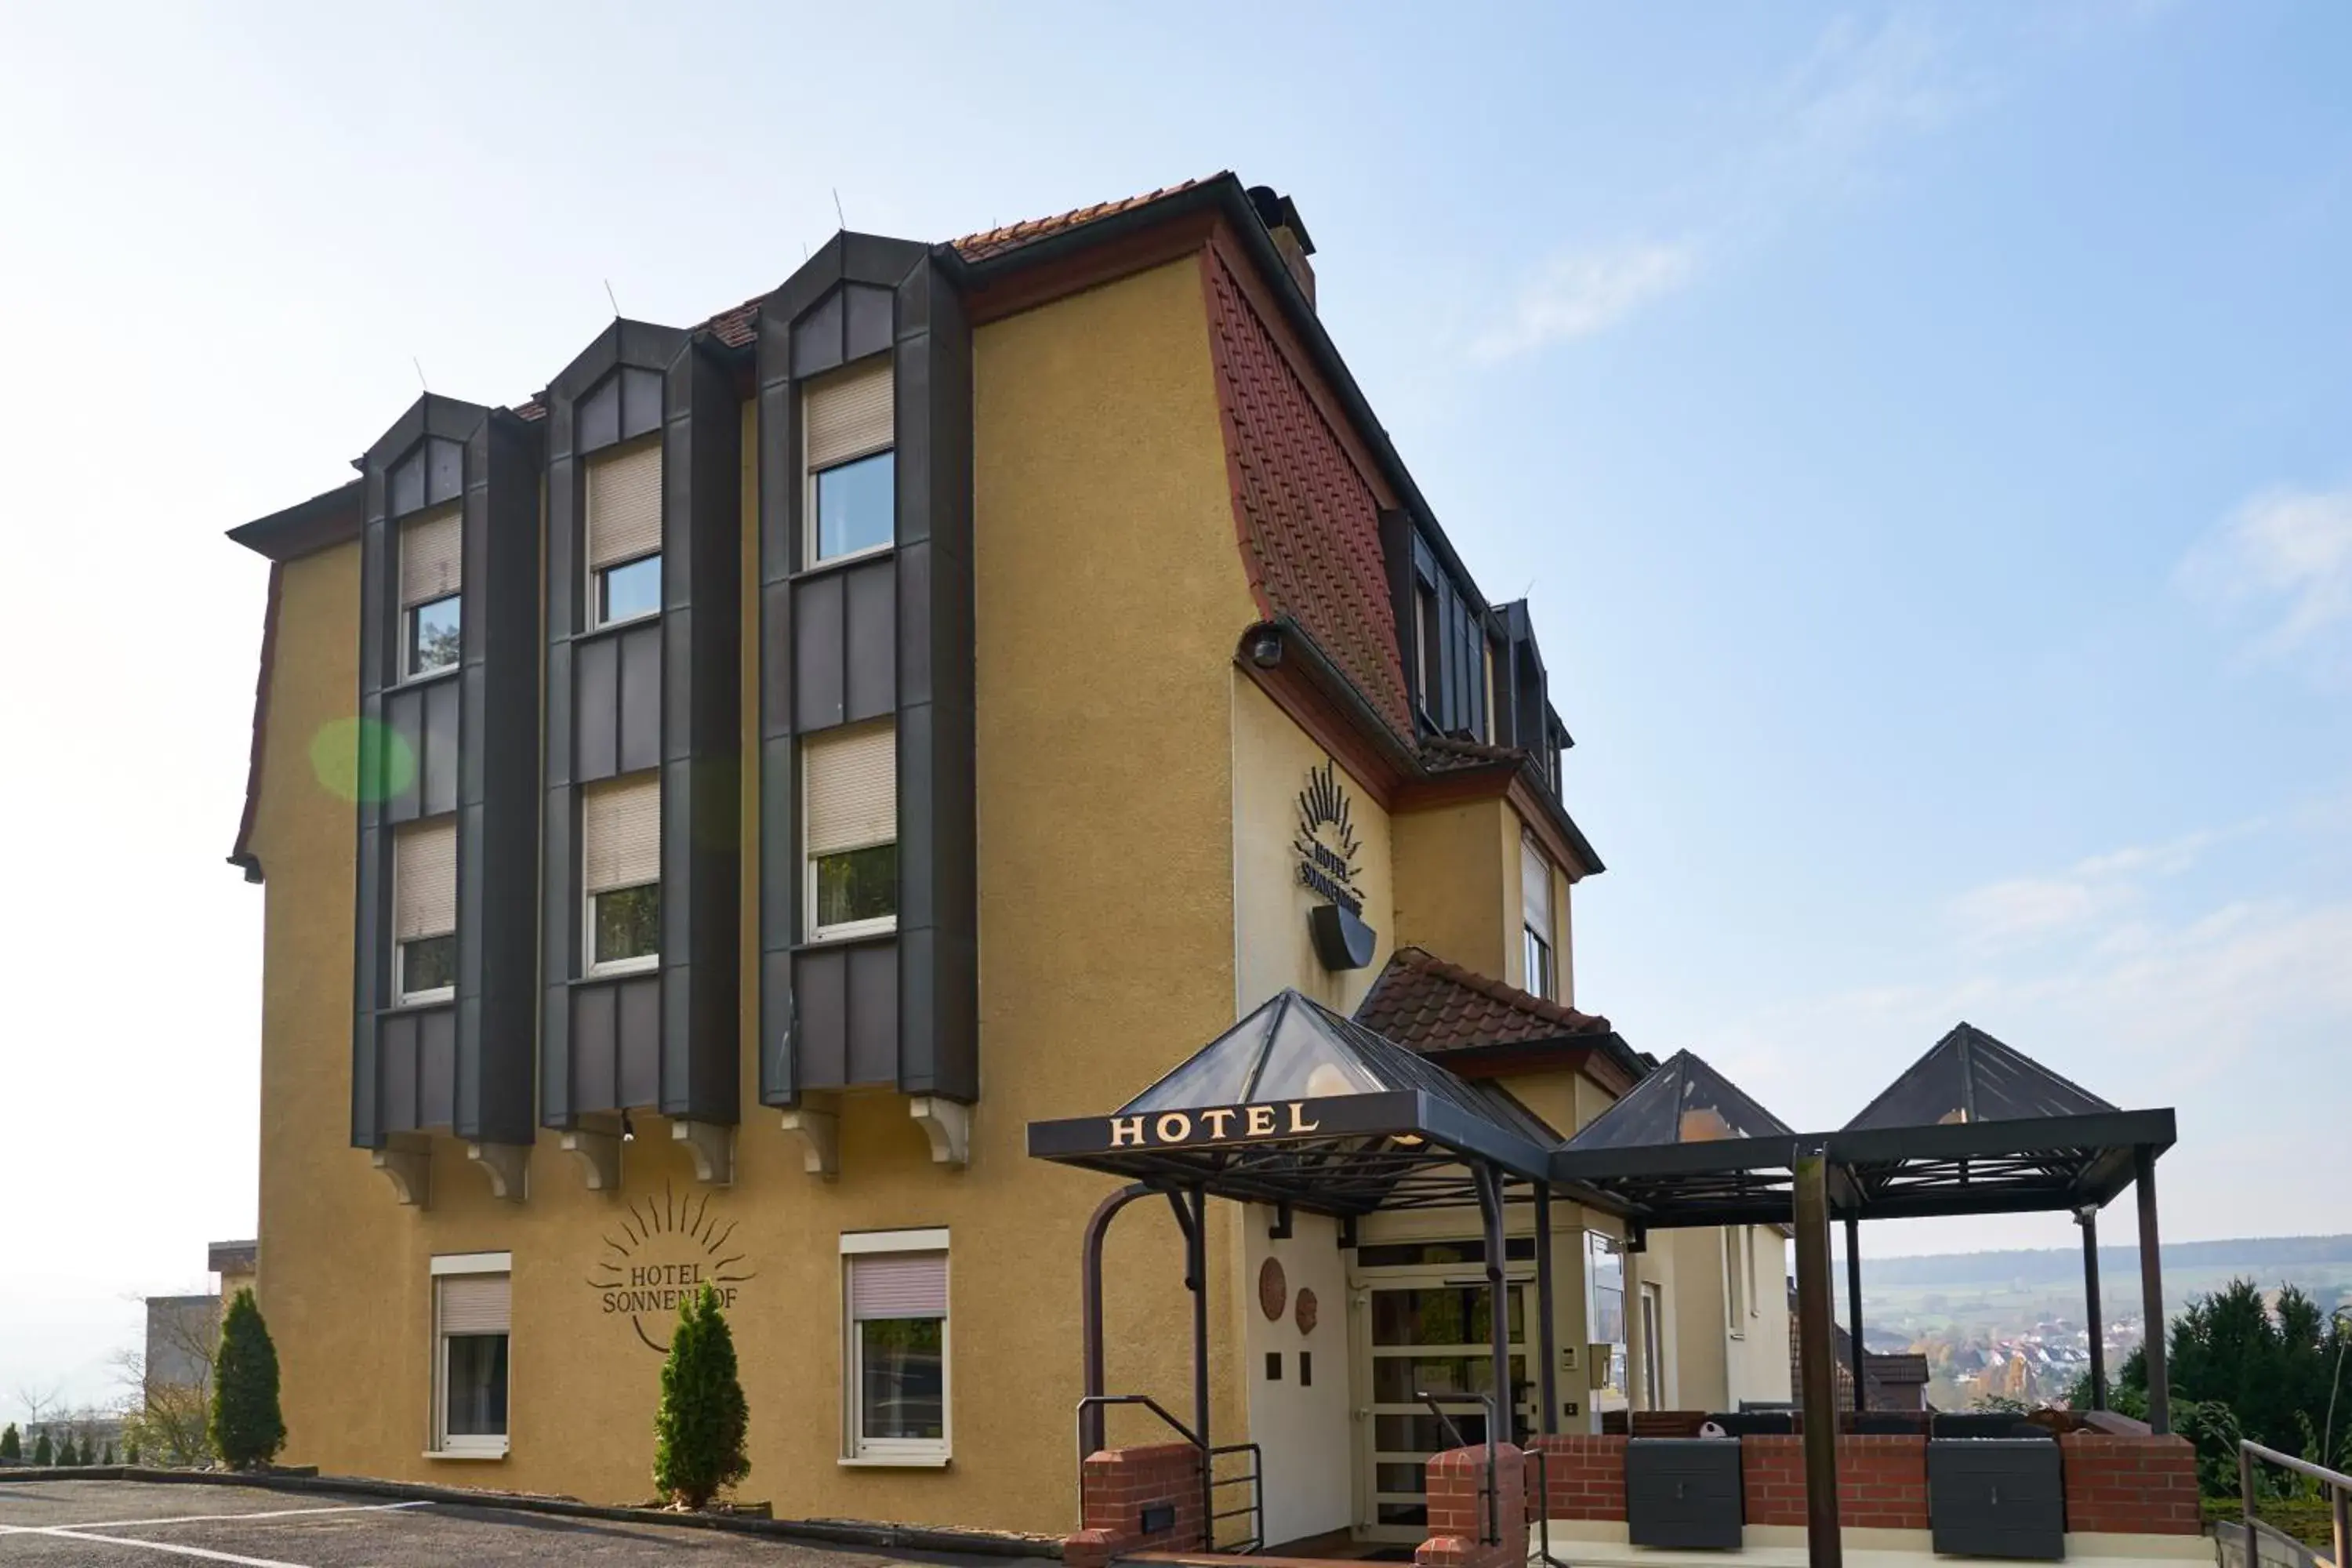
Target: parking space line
(221, 1518)
(59, 1533)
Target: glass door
(1433, 1338)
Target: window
(431, 550)
(624, 534)
(1427, 627)
(1604, 1317)
(620, 865)
(850, 779)
(896, 1359)
(848, 435)
(1736, 1279)
(471, 1322)
(1534, 921)
(424, 911)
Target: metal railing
(1493, 1407)
(2335, 1484)
(1254, 1509)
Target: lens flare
(362, 760)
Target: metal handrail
(1493, 1407)
(1208, 1481)
(2339, 1500)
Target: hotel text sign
(662, 1252)
(1220, 1124)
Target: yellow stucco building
(709, 809)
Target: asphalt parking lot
(137, 1524)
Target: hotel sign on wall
(1327, 849)
(665, 1250)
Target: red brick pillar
(1458, 1488)
(1121, 1489)
(2130, 1486)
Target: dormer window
(852, 492)
(624, 534)
(430, 624)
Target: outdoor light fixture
(628, 1133)
(1266, 649)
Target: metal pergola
(1973, 1127)
(1300, 1109)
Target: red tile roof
(1011, 236)
(1429, 1006)
(1309, 524)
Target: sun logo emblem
(668, 1248)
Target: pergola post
(1853, 1310)
(1548, 1423)
(2151, 1292)
(1817, 1352)
(1637, 1338)
(1498, 1338)
(2096, 1331)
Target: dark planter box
(1683, 1492)
(1996, 1497)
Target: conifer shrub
(12, 1443)
(699, 1429)
(246, 1427)
(44, 1455)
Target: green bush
(43, 1454)
(108, 1458)
(12, 1445)
(247, 1427)
(699, 1430)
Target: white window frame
(408, 640)
(1547, 984)
(402, 995)
(589, 965)
(408, 998)
(857, 1450)
(847, 931)
(469, 1446)
(595, 608)
(812, 536)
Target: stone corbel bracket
(948, 1124)
(817, 1119)
(599, 1154)
(406, 1162)
(508, 1166)
(712, 1144)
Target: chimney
(1280, 216)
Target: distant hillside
(2267, 1259)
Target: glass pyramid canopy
(1684, 1102)
(1968, 1075)
(1293, 1048)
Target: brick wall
(1584, 1477)
(2142, 1486)
(1457, 1510)
(1117, 1485)
(1882, 1481)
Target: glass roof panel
(1684, 1102)
(1968, 1075)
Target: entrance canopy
(1972, 1127)
(1295, 1105)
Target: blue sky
(1923, 428)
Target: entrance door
(1430, 1337)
